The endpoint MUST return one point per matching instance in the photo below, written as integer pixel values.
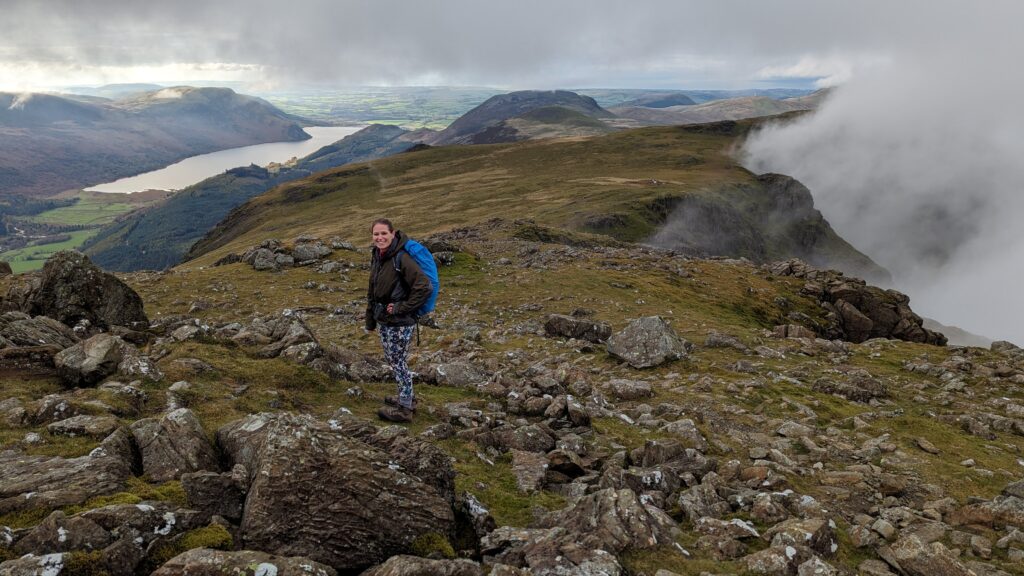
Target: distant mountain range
(51, 143)
(717, 110)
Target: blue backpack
(425, 260)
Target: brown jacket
(408, 290)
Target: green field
(33, 257)
(89, 210)
(92, 209)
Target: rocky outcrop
(580, 328)
(203, 561)
(20, 329)
(49, 482)
(316, 492)
(647, 342)
(89, 362)
(856, 311)
(272, 255)
(71, 288)
(173, 445)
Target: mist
(918, 164)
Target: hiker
(397, 291)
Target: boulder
(615, 520)
(415, 456)
(998, 512)
(208, 562)
(414, 566)
(703, 501)
(647, 342)
(546, 552)
(50, 482)
(173, 445)
(84, 425)
(531, 438)
(561, 326)
(89, 362)
(857, 388)
(306, 251)
(630, 389)
(818, 534)
(5, 269)
(910, 556)
(71, 288)
(20, 329)
(777, 560)
(529, 469)
(458, 374)
(316, 492)
(60, 533)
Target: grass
(33, 257)
(91, 209)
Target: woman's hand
(391, 308)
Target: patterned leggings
(395, 340)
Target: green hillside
(624, 185)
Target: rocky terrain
(586, 408)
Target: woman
(398, 288)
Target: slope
(625, 185)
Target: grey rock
(458, 374)
(777, 560)
(529, 469)
(84, 425)
(306, 251)
(20, 329)
(60, 533)
(413, 566)
(173, 445)
(914, 558)
(89, 362)
(204, 561)
(530, 438)
(561, 326)
(703, 501)
(631, 389)
(50, 482)
(647, 342)
(818, 534)
(615, 520)
(315, 491)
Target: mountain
(158, 236)
(51, 143)
(514, 104)
(539, 123)
(113, 91)
(660, 100)
(717, 110)
(630, 185)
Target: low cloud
(917, 163)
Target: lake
(197, 168)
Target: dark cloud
(528, 42)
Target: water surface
(197, 168)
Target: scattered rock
(84, 425)
(647, 342)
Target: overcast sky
(527, 43)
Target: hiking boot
(393, 401)
(395, 414)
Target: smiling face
(382, 236)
